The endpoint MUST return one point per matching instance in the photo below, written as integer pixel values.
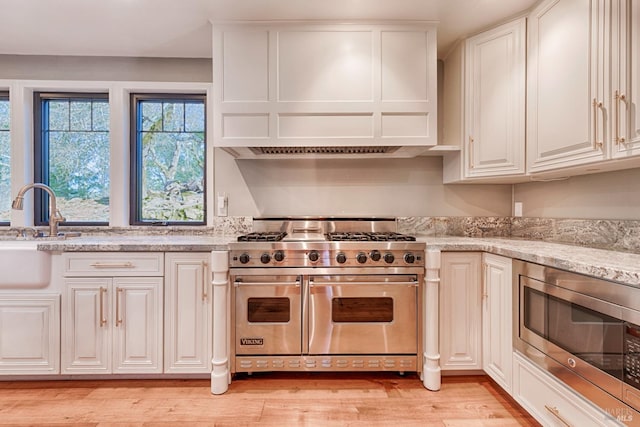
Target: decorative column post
(431, 364)
(220, 374)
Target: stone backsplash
(618, 235)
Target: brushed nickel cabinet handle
(103, 319)
(471, 141)
(112, 265)
(205, 295)
(485, 271)
(556, 413)
(619, 97)
(119, 292)
(597, 145)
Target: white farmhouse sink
(22, 265)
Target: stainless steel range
(326, 295)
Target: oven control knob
(361, 258)
(265, 258)
(341, 258)
(244, 258)
(409, 258)
(314, 256)
(389, 258)
(375, 255)
(279, 256)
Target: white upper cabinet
(625, 78)
(485, 104)
(583, 79)
(288, 85)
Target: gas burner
(267, 236)
(369, 237)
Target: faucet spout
(54, 215)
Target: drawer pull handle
(556, 413)
(119, 292)
(619, 97)
(103, 320)
(113, 265)
(205, 286)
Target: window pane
(58, 115)
(80, 115)
(173, 116)
(194, 117)
(169, 166)
(101, 115)
(151, 114)
(5, 161)
(78, 157)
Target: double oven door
(325, 314)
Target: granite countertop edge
(620, 267)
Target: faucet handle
(59, 217)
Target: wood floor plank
(276, 399)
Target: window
(168, 159)
(5, 160)
(72, 156)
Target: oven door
(363, 314)
(267, 314)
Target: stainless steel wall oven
(316, 304)
(584, 331)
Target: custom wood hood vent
(312, 89)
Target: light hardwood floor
(274, 399)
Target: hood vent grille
(373, 149)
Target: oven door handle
(240, 283)
(411, 283)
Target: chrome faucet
(54, 215)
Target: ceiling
(181, 28)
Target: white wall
(611, 195)
(371, 187)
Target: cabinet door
(137, 323)
(460, 311)
(86, 326)
(625, 79)
(566, 75)
(29, 334)
(188, 337)
(497, 319)
(495, 100)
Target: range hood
(320, 90)
(326, 152)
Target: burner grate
(369, 237)
(269, 236)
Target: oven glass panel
(268, 310)
(358, 310)
(592, 336)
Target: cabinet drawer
(113, 264)
(551, 402)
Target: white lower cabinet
(460, 311)
(549, 401)
(497, 318)
(29, 334)
(188, 312)
(112, 325)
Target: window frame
(41, 153)
(135, 158)
(4, 96)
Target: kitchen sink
(22, 265)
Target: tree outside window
(5, 159)
(168, 159)
(72, 156)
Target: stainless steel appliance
(584, 331)
(326, 295)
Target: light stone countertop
(611, 265)
(621, 267)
